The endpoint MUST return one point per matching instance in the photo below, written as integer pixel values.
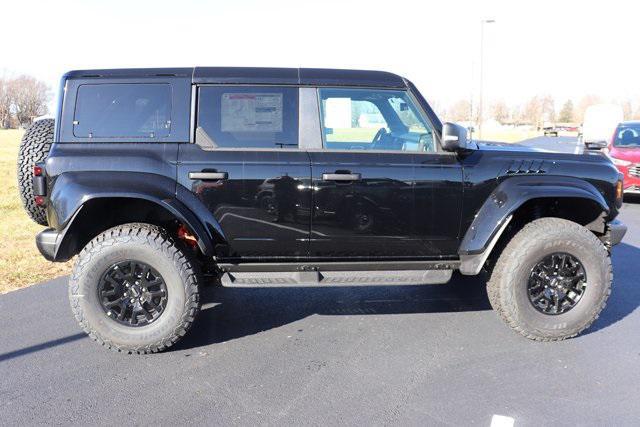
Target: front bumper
(616, 231)
(48, 242)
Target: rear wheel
(34, 148)
(551, 281)
(133, 289)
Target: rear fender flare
(72, 191)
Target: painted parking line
(502, 421)
(578, 147)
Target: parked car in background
(550, 129)
(599, 123)
(624, 151)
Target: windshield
(627, 135)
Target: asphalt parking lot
(432, 355)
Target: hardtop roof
(254, 75)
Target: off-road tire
(34, 148)
(507, 285)
(149, 244)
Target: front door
(245, 166)
(381, 186)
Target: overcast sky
(563, 48)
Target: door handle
(205, 176)
(341, 176)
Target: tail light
(39, 185)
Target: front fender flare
(494, 215)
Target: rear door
(246, 167)
(382, 188)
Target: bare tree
(636, 112)
(548, 109)
(532, 111)
(500, 112)
(540, 109)
(517, 115)
(627, 109)
(30, 97)
(5, 104)
(460, 111)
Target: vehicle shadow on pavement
(231, 313)
(625, 292)
(43, 346)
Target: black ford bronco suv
(158, 178)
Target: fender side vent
(527, 167)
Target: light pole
(481, 100)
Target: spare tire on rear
(34, 148)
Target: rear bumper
(616, 231)
(47, 242)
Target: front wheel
(551, 281)
(133, 289)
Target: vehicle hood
(504, 146)
(631, 154)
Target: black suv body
(280, 176)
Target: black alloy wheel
(132, 293)
(556, 283)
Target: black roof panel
(129, 73)
(245, 75)
(329, 77)
(253, 75)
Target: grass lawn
(20, 262)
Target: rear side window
(248, 117)
(123, 111)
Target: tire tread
(34, 148)
(162, 241)
(515, 253)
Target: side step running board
(259, 267)
(336, 278)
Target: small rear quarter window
(123, 111)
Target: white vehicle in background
(371, 120)
(600, 121)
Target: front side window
(248, 117)
(123, 111)
(373, 119)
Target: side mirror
(454, 137)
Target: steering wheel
(378, 137)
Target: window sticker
(251, 112)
